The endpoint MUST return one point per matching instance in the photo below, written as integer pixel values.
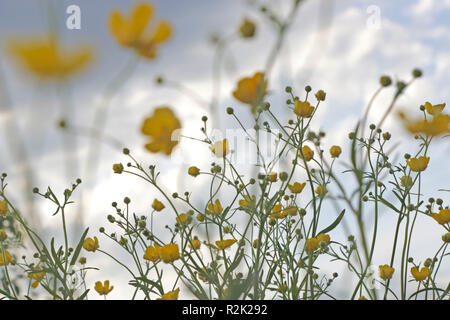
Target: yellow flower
(446, 237)
(118, 168)
(362, 298)
(312, 244)
(169, 253)
(307, 153)
(215, 208)
(224, 244)
(278, 213)
(442, 217)
(420, 275)
(131, 32)
(37, 275)
(3, 235)
(152, 253)
(418, 164)
(103, 288)
(297, 187)
(193, 171)
(323, 237)
(335, 151)
(161, 127)
(439, 124)
(46, 59)
(248, 202)
(157, 205)
(251, 90)
(91, 244)
(195, 244)
(171, 295)
(8, 258)
(183, 218)
(434, 109)
(273, 176)
(321, 191)
(303, 109)
(82, 260)
(292, 211)
(386, 272)
(247, 28)
(200, 217)
(406, 181)
(220, 148)
(3, 208)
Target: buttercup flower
(37, 275)
(303, 109)
(247, 28)
(335, 151)
(152, 253)
(386, 272)
(420, 275)
(297, 187)
(439, 124)
(323, 237)
(171, 295)
(220, 148)
(118, 168)
(321, 191)
(251, 90)
(442, 217)
(3, 208)
(215, 208)
(183, 219)
(278, 212)
(418, 164)
(406, 181)
(158, 205)
(247, 201)
(312, 244)
(193, 171)
(161, 128)
(273, 176)
(434, 109)
(3, 235)
(195, 244)
(169, 253)
(224, 244)
(131, 31)
(46, 59)
(91, 244)
(307, 153)
(8, 258)
(103, 288)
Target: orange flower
(251, 90)
(418, 164)
(161, 128)
(131, 32)
(303, 109)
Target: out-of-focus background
(342, 47)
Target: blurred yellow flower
(297, 187)
(171, 295)
(418, 164)
(406, 181)
(152, 253)
(220, 148)
(420, 275)
(303, 109)
(442, 217)
(278, 212)
(195, 244)
(312, 244)
(183, 219)
(273, 176)
(323, 237)
(118, 168)
(37, 275)
(248, 202)
(251, 90)
(439, 124)
(247, 28)
(157, 205)
(46, 59)
(386, 272)
(434, 109)
(193, 171)
(160, 127)
(91, 244)
(169, 253)
(3, 235)
(321, 191)
(307, 153)
(103, 288)
(200, 217)
(335, 151)
(131, 31)
(224, 244)
(215, 208)
(3, 208)
(8, 258)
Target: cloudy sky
(342, 47)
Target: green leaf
(78, 248)
(83, 295)
(334, 224)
